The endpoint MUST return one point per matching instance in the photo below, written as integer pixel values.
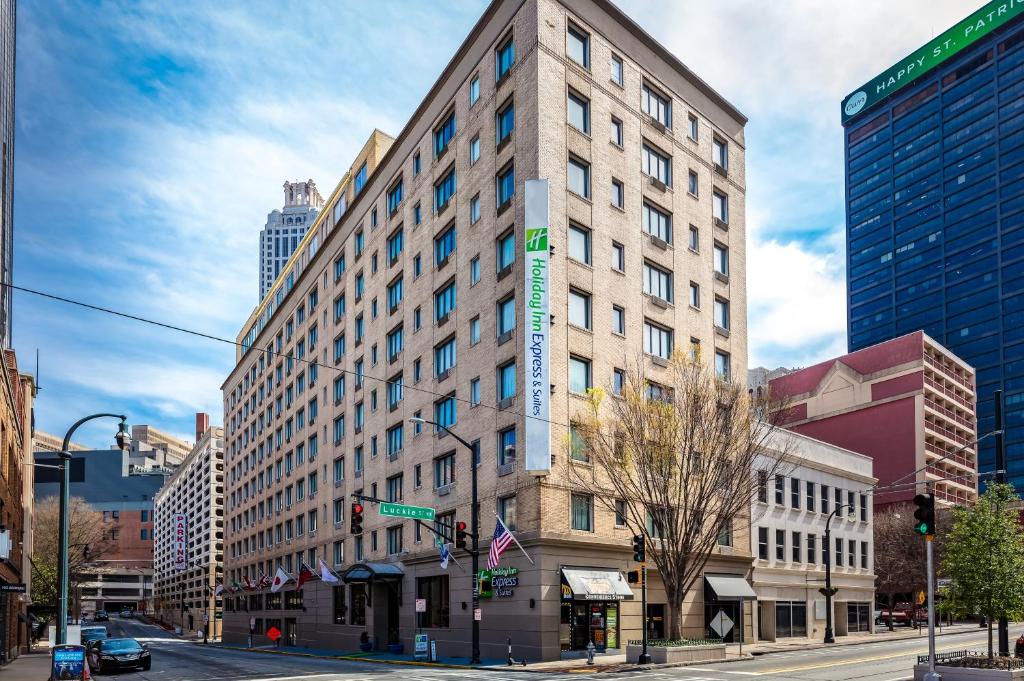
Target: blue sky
(153, 138)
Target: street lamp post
(123, 442)
(475, 535)
(828, 592)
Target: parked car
(114, 654)
(903, 614)
(101, 616)
(127, 613)
(90, 634)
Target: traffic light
(633, 577)
(639, 550)
(460, 534)
(924, 516)
(356, 519)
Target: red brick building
(905, 403)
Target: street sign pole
(932, 675)
(645, 657)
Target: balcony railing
(935, 385)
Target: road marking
(722, 671)
(854, 661)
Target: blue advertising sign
(68, 663)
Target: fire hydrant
(590, 653)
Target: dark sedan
(114, 654)
(90, 634)
(101, 616)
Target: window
(863, 508)
(794, 496)
(474, 270)
(579, 177)
(824, 498)
(339, 267)
(694, 239)
(416, 164)
(810, 496)
(657, 165)
(578, 46)
(474, 209)
(507, 381)
(618, 256)
(395, 391)
(657, 222)
(444, 411)
(474, 330)
(579, 113)
(474, 150)
(579, 374)
(443, 134)
(694, 130)
(692, 185)
(507, 447)
(360, 243)
(722, 369)
(504, 57)
(579, 243)
(797, 548)
(474, 90)
(417, 214)
(812, 549)
(721, 259)
(339, 470)
(864, 555)
(694, 349)
(505, 123)
(444, 302)
(581, 512)
(618, 72)
(360, 178)
(505, 186)
(618, 320)
(762, 487)
(720, 153)
(616, 131)
(780, 545)
(618, 194)
(474, 391)
(762, 543)
(656, 105)
(657, 282)
(851, 555)
(339, 308)
(394, 488)
(444, 190)
(657, 340)
(721, 313)
(444, 356)
(725, 534)
(506, 250)
(444, 245)
(506, 313)
(620, 513)
(394, 294)
(579, 309)
(780, 490)
(839, 552)
(444, 470)
(720, 206)
(394, 246)
(360, 286)
(394, 198)
(434, 590)
(394, 539)
(507, 511)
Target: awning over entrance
(369, 572)
(729, 587)
(594, 584)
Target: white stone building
(788, 521)
(285, 228)
(185, 597)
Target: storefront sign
(179, 544)
(499, 582)
(936, 51)
(420, 643)
(537, 338)
(18, 587)
(611, 622)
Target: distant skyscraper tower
(7, 25)
(285, 228)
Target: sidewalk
(31, 667)
(602, 663)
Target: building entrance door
(290, 631)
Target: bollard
(590, 653)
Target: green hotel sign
(939, 49)
(403, 511)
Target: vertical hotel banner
(179, 542)
(538, 334)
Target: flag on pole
(305, 574)
(218, 591)
(248, 584)
(499, 542)
(264, 581)
(235, 587)
(445, 555)
(327, 574)
(280, 579)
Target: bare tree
(899, 559)
(687, 453)
(88, 542)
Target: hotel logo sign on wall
(935, 52)
(179, 542)
(537, 349)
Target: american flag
(499, 542)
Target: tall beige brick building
(407, 299)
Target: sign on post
(421, 605)
(403, 511)
(68, 662)
(273, 633)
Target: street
(175, 660)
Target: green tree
(984, 558)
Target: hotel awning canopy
(597, 584)
(369, 572)
(729, 587)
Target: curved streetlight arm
(71, 431)
(445, 429)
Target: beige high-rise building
(408, 298)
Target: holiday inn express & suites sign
(936, 51)
(536, 350)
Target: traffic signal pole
(932, 675)
(640, 556)
(1004, 624)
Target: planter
(969, 674)
(676, 654)
(396, 648)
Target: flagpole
(511, 534)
